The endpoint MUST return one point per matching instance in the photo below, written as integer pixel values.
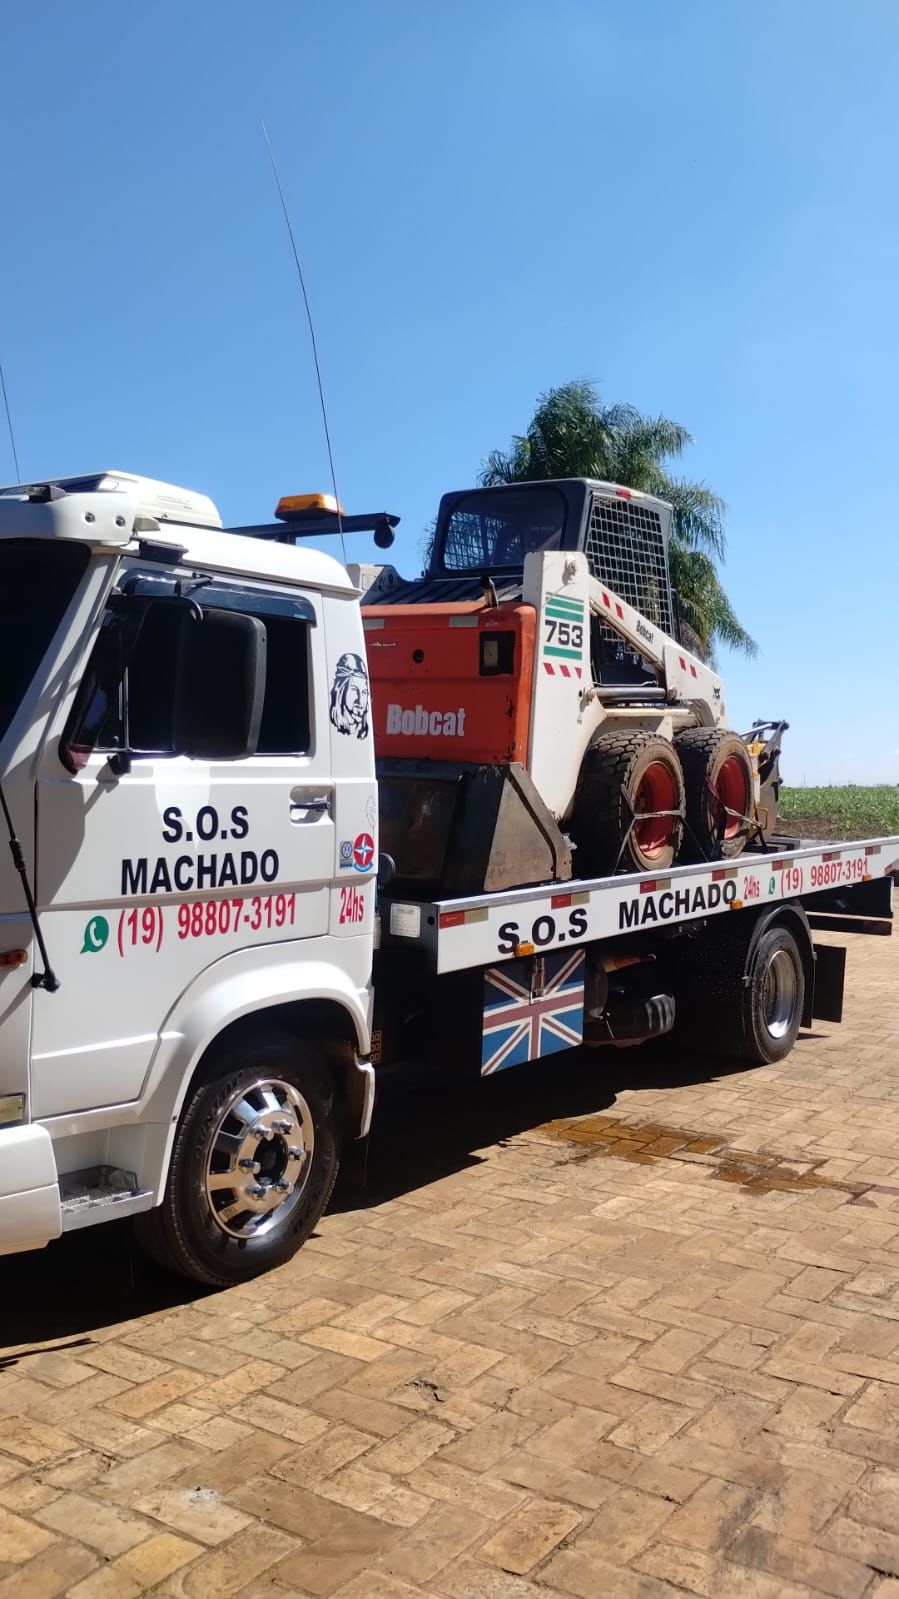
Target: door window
(127, 697)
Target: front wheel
(253, 1166)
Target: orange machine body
(451, 682)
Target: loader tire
(624, 775)
(718, 774)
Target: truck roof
(119, 510)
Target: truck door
(149, 874)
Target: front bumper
(29, 1189)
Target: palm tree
(571, 434)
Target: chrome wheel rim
(260, 1158)
(780, 991)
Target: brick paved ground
(650, 1348)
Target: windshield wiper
(47, 978)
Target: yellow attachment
(296, 504)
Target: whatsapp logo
(96, 935)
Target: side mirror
(220, 686)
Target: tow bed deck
(837, 883)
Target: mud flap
(825, 1004)
(532, 1007)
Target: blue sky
(694, 205)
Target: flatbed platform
(832, 880)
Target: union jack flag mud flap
(532, 1007)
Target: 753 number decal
(568, 635)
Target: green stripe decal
(573, 607)
(568, 655)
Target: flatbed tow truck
(215, 932)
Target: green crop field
(847, 812)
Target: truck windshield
(38, 578)
(499, 527)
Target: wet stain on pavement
(646, 1143)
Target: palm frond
(572, 434)
(704, 606)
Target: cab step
(109, 1190)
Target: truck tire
(742, 996)
(253, 1164)
(626, 774)
(719, 780)
(772, 1000)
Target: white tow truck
(204, 961)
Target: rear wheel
(741, 992)
(253, 1165)
(628, 813)
(718, 775)
(774, 998)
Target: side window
(127, 695)
(286, 722)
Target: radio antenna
(12, 437)
(318, 375)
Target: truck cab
(187, 909)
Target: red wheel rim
(731, 788)
(656, 792)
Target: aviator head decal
(350, 696)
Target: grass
(846, 812)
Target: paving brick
(454, 1485)
(229, 1568)
(712, 1516)
(589, 1576)
(374, 1493)
(650, 1427)
(417, 1443)
(158, 1557)
(698, 1572)
(829, 1573)
(874, 1545)
(433, 1543)
(483, 1446)
(625, 1524)
(469, 1578)
(51, 1573)
(21, 1539)
(376, 1585)
(34, 1443)
(107, 1528)
(530, 1535)
(149, 1396)
(198, 1513)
